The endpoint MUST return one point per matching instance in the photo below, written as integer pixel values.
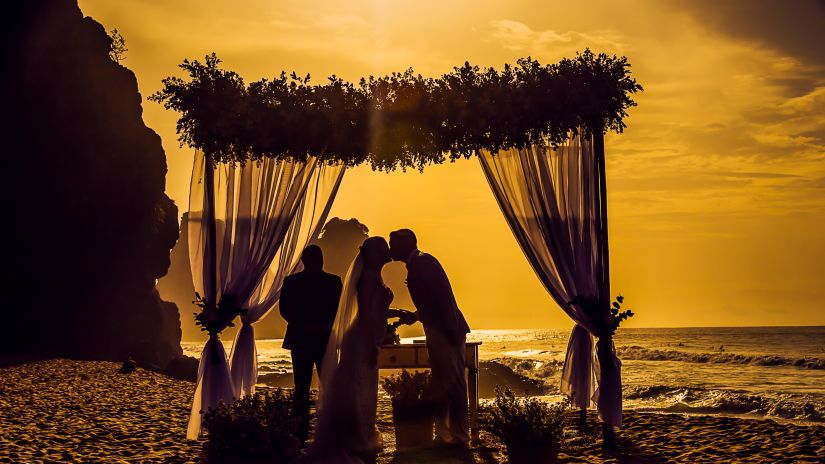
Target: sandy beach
(85, 411)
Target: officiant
(309, 302)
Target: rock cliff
(91, 227)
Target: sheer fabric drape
(310, 217)
(242, 240)
(551, 199)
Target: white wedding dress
(349, 372)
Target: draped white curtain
(245, 225)
(308, 221)
(552, 200)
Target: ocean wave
(810, 408)
(638, 353)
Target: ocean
(774, 372)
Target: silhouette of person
(309, 301)
(446, 331)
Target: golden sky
(716, 189)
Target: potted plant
(412, 412)
(531, 429)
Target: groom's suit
(309, 303)
(446, 331)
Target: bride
(349, 371)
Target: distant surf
(639, 353)
(773, 372)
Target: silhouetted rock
(340, 240)
(492, 374)
(91, 226)
(182, 368)
(176, 286)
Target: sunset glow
(716, 189)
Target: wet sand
(85, 411)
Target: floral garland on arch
(400, 120)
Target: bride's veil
(342, 405)
(344, 320)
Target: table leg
(472, 391)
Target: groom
(309, 302)
(446, 330)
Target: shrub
(406, 387)
(412, 413)
(257, 427)
(523, 422)
(398, 120)
(117, 46)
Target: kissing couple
(348, 372)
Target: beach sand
(85, 411)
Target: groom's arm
(407, 317)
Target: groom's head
(312, 258)
(402, 243)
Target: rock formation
(339, 240)
(91, 227)
(176, 285)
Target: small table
(415, 356)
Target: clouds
(793, 28)
(716, 187)
(518, 37)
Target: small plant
(604, 325)
(214, 319)
(406, 387)
(259, 426)
(523, 422)
(392, 337)
(117, 46)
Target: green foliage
(259, 426)
(605, 323)
(407, 388)
(117, 46)
(616, 313)
(400, 120)
(215, 318)
(523, 422)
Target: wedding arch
(271, 155)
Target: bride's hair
(370, 243)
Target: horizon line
(626, 328)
